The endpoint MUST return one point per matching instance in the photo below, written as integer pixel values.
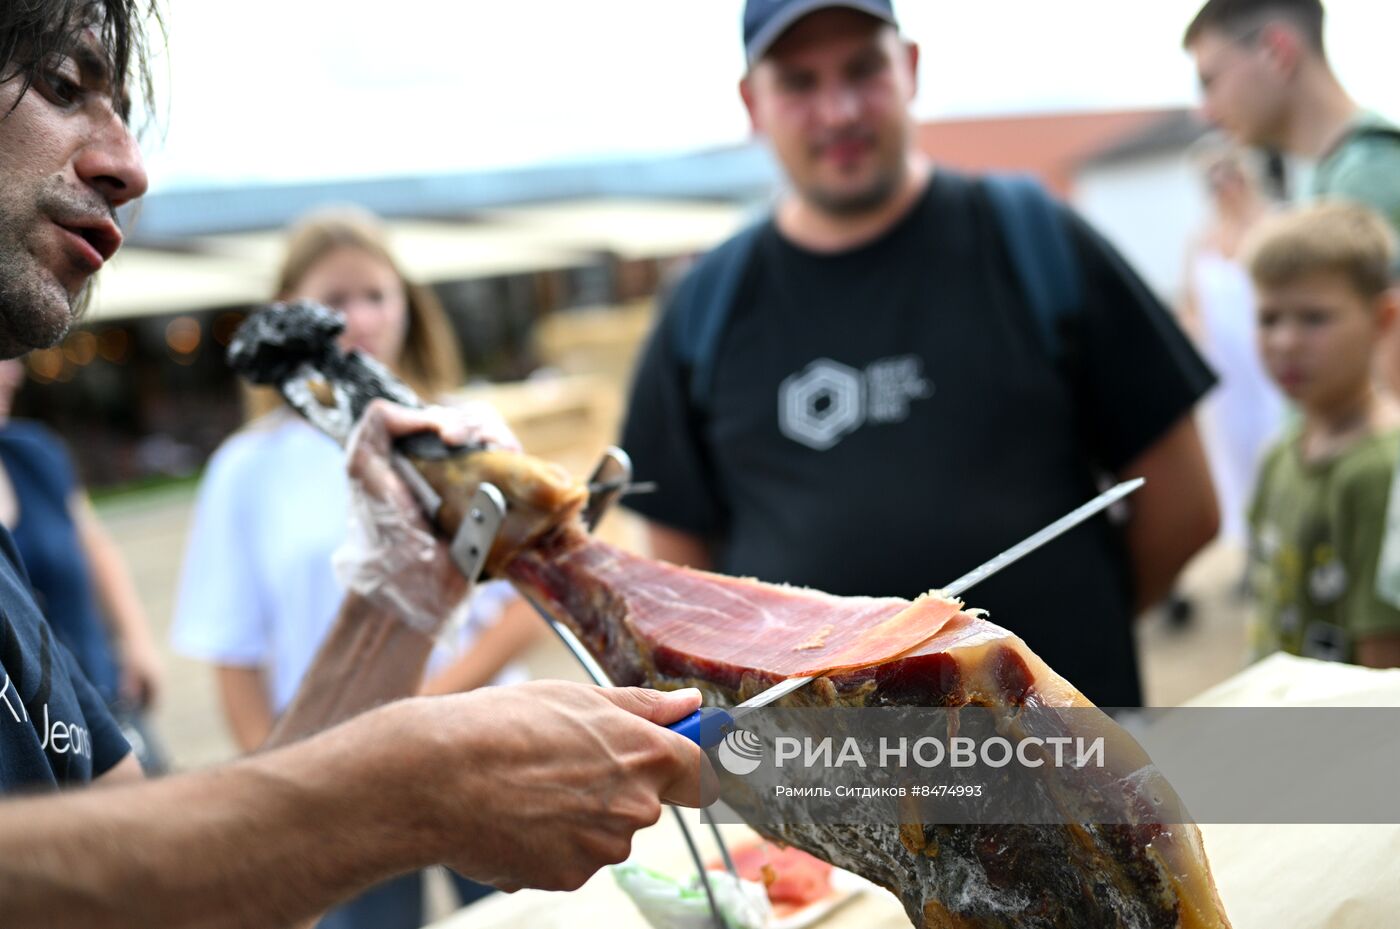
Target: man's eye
(865, 68)
(61, 89)
(796, 83)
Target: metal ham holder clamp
(293, 347)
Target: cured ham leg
(663, 626)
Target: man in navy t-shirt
(882, 411)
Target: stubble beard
(36, 311)
(850, 205)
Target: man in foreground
(535, 786)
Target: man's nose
(1208, 111)
(838, 105)
(111, 163)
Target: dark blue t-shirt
(883, 419)
(55, 730)
(47, 539)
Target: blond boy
(1318, 515)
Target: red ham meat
(663, 626)
(693, 624)
(792, 878)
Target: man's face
(1244, 87)
(67, 160)
(833, 95)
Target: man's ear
(1388, 308)
(746, 94)
(1284, 46)
(911, 51)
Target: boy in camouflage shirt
(1318, 516)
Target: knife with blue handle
(706, 727)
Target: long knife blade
(705, 726)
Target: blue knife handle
(705, 727)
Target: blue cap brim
(763, 40)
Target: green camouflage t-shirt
(1315, 539)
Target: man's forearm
(268, 841)
(370, 658)
(1173, 516)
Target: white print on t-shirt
(827, 401)
(62, 737)
(17, 709)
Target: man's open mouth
(100, 234)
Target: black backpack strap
(1031, 223)
(702, 306)
(1033, 226)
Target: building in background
(1144, 193)
(1128, 172)
(141, 390)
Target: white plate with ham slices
(845, 887)
(802, 890)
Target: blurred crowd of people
(895, 374)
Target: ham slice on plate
(794, 879)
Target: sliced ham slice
(793, 878)
(693, 623)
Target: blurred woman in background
(1245, 412)
(258, 592)
(78, 575)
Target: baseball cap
(766, 20)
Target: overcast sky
(276, 90)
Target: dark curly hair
(35, 33)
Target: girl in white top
(1242, 416)
(258, 592)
